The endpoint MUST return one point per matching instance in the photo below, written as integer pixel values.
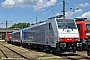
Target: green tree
(20, 25)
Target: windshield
(66, 24)
(87, 26)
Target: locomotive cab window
(50, 26)
(78, 26)
(66, 24)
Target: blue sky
(15, 11)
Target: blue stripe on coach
(24, 34)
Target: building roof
(9, 29)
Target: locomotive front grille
(70, 46)
(67, 46)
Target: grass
(54, 59)
(46, 55)
(0, 56)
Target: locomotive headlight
(61, 39)
(10, 37)
(76, 38)
(86, 36)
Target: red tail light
(68, 39)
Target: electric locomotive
(56, 35)
(84, 32)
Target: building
(3, 32)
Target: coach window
(50, 26)
(87, 26)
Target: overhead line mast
(63, 9)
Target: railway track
(77, 56)
(11, 54)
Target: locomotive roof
(87, 21)
(65, 20)
(48, 21)
(83, 21)
(44, 22)
(36, 24)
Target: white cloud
(70, 14)
(84, 5)
(57, 14)
(86, 15)
(19, 3)
(44, 3)
(8, 3)
(36, 4)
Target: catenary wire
(44, 11)
(3, 16)
(10, 11)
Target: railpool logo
(68, 31)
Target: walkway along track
(75, 57)
(11, 54)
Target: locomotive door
(49, 34)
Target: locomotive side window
(87, 26)
(50, 26)
(78, 26)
